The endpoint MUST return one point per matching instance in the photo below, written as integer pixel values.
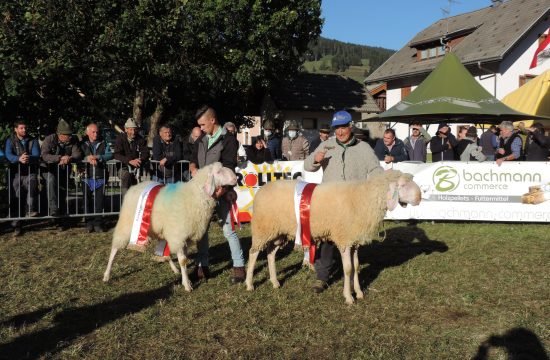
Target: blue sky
(387, 23)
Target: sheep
(180, 214)
(349, 213)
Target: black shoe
(202, 273)
(55, 212)
(32, 214)
(17, 232)
(89, 229)
(319, 286)
(99, 229)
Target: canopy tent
(533, 98)
(450, 94)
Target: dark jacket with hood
(440, 145)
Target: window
(524, 79)
(309, 123)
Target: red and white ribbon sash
(142, 217)
(302, 205)
(234, 215)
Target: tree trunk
(139, 101)
(155, 121)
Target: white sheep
(180, 214)
(349, 213)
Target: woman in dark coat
(258, 152)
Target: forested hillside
(333, 56)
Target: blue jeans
(222, 209)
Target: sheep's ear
(210, 185)
(392, 197)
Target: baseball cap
(340, 118)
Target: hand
(388, 159)
(163, 162)
(499, 161)
(92, 159)
(320, 155)
(193, 169)
(135, 162)
(24, 158)
(500, 151)
(64, 160)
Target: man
(489, 143)
(510, 144)
(443, 144)
(273, 141)
(190, 144)
(131, 150)
(294, 145)
(537, 147)
(23, 153)
(390, 149)
(96, 153)
(167, 151)
(59, 151)
(417, 142)
(324, 133)
(343, 158)
(217, 144)
(468, 149)
(231, 128)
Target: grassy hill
(328, 56)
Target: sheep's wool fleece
(360, 161)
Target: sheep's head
(403, 191)
(220, 180)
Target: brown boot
(239, 275)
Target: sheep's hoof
(188, 288)
(349, 301)
(249, 287)
(106, 278)
(359, 294)
(276, 284)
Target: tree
(114, 59)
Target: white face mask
(292, 134)
(267, 133)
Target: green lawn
(434, 291)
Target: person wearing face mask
(273, 140)
(58, 151)
(443, 143)
(294, 146)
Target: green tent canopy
(450, 94)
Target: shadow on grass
(400, 245)
(74, 322)
(519, 343)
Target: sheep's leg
(183, 260)
(173, 266)
(272, 268)
(252, 256)
(107, 274)
(346, 263)
(356, 285)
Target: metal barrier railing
(76, 190)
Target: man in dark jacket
(324, 133)
(96, 153)
(23, 153)
(390, 149)
(510, 144)
(217, 145)
(166, 153)
(273, 140)
(443, 143)
(537, 146)
(190, 144)
(131, 150)
(59, 151)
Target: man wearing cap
(58, 151)
(417, 142)
(217, 144)
(131, 150)
(390, 149)
(443, 143)
(23, 153)
(343, 158)
(510, 144)
(324, 133)
(294, 145)
(273, 140)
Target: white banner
(451, 190)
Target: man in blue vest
(23, 153)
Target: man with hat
(131, 150)
(343, 158)
(416, 144)
(273, 140)
(58, 151)
(510, 144)
(294, 145)
(324, 133)
(443, 143)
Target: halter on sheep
(180, 215)
(346, 213)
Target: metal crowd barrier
(69, 188)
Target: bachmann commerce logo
(446, 178)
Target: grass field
(358, 73)
(434, 291)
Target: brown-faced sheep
(180, 214)
(348, 213)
